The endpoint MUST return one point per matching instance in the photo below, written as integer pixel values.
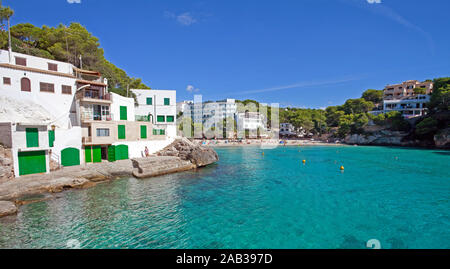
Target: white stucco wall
(117, 102)
(136, 148)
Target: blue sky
(304, 53)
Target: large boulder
(7, 208)
(189, 151)
(442, 139)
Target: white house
(158, 107)
(409, 107)
(53, 110)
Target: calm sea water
(399, 196)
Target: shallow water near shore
(399, 196)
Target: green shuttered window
(170, 118)
(123, 113)
(51, 138)
(32, 135)
(161, 118)
(121, 131)
(143, 131)
(167, 101)
(149, 101)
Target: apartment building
(402, 98)
(406, 89)
(411, 106)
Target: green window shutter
(149, 101)
(162, 132)
(160, 118)
(123, 113)
(111, 153)
(170, 118)
(167, 101)
(32, 135)
(51, 138)
(155, 132)
(88, 154)
(143, 131)
(121, 131)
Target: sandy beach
(264, 142)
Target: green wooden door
(121, 152)
(32, 136)
(88, 154)
(111, 153)
(97, 154)
(123, 113)
(32, 162)
(70, 157)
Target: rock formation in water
(189, 151)
(7, 208)
(180, 155)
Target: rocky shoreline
(179, 156)
(396, 138)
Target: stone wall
(6, 164)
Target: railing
(56, 158)
(93, 94)
(89, 116)
(142, 118)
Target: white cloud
(74, 1)
(191, 89)
(185, 19)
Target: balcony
(87, 117)
(89, 95)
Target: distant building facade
(402, 98)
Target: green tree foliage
(420, 90)
(312, 120)
(396, 121)
(440, 98)
(374, 96)
(426, 128)
(356, 106)
(5, 14)
(67, 43)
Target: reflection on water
(399, 196)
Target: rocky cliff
(382, 137)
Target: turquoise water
(399, 196)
